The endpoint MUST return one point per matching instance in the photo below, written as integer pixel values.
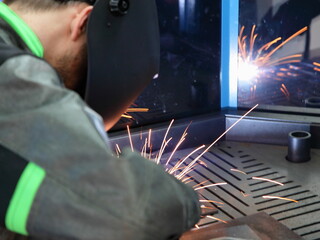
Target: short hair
(46, 4)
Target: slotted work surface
(279, 53)
(259, 179)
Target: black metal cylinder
(313, 102)
(299, 144)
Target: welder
(58, 176)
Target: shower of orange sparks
(210, 185)
(205, 207)
(262, 58)
(200, 183)
(137, 109)
(237, 170)
(130, 110)
(281, 198)
(245, 194)
(317, 65)
(178, 164)
(285, 91)
(268, 180)
(183, 137)
(218, 219)
(130, 139)
(190, 166)
(126, 116)
(118, 150)
(187, 178)
(210, 201)
(214, 142)
(163, 145)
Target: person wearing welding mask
(58, 177)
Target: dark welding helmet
(123, 54)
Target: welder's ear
(79, 22)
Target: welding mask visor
(123, 54)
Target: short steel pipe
(299, 144)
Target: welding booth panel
(204, 68)
(189, 80)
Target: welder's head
(114, 53)
(61, 27)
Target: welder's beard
(72, 68)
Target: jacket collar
(22, 29)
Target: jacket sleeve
(86, 193)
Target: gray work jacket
(87, 193)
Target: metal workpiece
(313, 102)
(259, 226)
(299, 144)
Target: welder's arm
(78, 189)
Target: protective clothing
(63, 182)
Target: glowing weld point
(281, 198)
(267, 180)
(210, 185)
(220, 220)
(237, 170)
(247, 72)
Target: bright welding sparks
(197, 226)
(137, 109)
(237, 170)
(176, 167)
(189, 167)
(210, 185)
(199, 184)
(244, 194)
(118, 150)
(207, 149)
(163, 145)
(126, 116)
(317, 66)
(257, 65)
(183, 137)
(149, 138)
(210, 201)
(218, 219)
(268, 180)
(281, 198)
(130, 139)
(205, 207)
